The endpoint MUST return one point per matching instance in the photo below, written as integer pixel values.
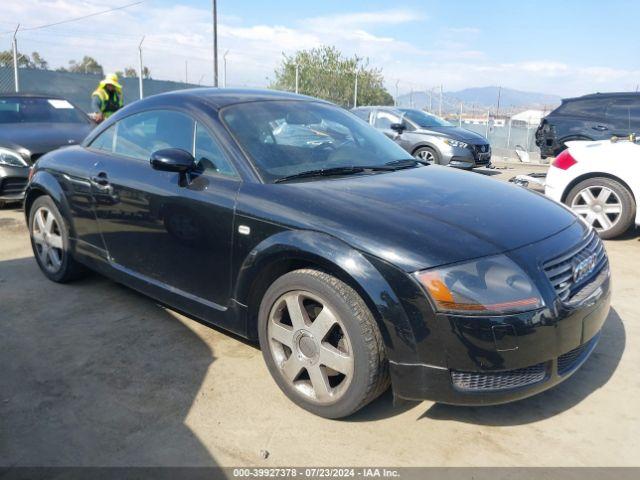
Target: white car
(599, 181)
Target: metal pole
(460, 117)
(140, 68)
(224, 62)
(487, 132)
(14, 45)
(498, 104)
(440, 107)
(355, 92)
(396, 99)
(297, 76)
(215, 42)
(509, 134)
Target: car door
(170, 234)
(383, 120)
(618, 117)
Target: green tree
(86, 65)
(39, 62)
(325, 73)
(130, 72)
(6, 60)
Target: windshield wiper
(405, 163)
(328, 172)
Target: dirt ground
(96, 374)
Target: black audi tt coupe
(286, 219)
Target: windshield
(286, 138)
(424, 119)
(38, 110)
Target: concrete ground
(96, 374)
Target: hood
(424, 217)
(40, 138)
(456, 133)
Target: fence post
(297, 76)
(140, 67)
(14, 45)
(487, 131)
(460, 117)
(355, 92)
(509, 134)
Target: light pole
(14, 46)
(224, 61)
(215, 42)
(140, 67)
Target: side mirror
(172, 160)
(398, 127)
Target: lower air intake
(507, 380)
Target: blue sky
(563, 47)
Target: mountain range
(481, 98)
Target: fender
(44, 182)
(342, 260)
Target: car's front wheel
(50, 241)
(321, 343)
(427, 155)
(605, 204)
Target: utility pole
(355, 92)
(14, 45)
(397, 83)
(224, 63)
(460, 117)
(498, 104)
(297, 76)
(440, 107)
(215, 42)
(140, 67)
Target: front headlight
(11, 158)
(455, 143)
(484, 286)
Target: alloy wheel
(310, 346)
(426, 156)
(47, 237)
(600, 206)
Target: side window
(634, 113)
(618, 114)
(362, 113)
(139, 135)
(208, 155)
(104, 141)
(593, 107)
(385, 119)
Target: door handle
(100, 179)
(600, 128)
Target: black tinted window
(208, 155)
(593, 107)
(618, 113)
(139, 135)
(38, 110)
(104, 141)
(362, 113)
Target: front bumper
(13, 182)
(471, 157)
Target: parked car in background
(30, 126)
(600, 181)
(429, 138)
(286, 219)
(599, 116)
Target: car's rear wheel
(427, 155)
(321, 344)
(50, 241)
(605, 204)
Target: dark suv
(592, 117)
(429, 138)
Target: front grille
(484, 382)
(573, 359)
(560, 269)
(12, 185)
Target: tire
(604, 203)
(49, 235)
(427, 154)
(346, 337)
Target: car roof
(31, 95)
(603, 95)
(223, 97)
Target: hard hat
(111, 79)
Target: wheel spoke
(53, 257)
(48, 226)
(581, 208)
(291, 367)
(282, 334)
(335, 360)
(319, 381)
(37, 237)
(40, 221)
(604, 221)
(604, 195)
(587, 196)
(297, 313)
(55, 241)
(323, 323)
(613, 208)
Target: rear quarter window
(593, 107)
